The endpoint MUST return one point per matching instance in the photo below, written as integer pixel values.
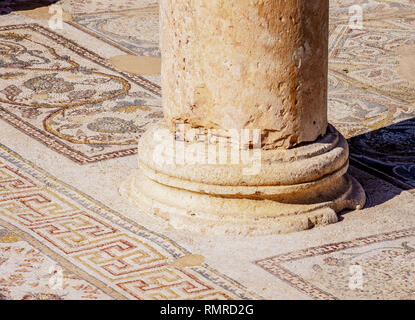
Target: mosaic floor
(69, 121)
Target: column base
(293, 190)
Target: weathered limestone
(235, 65)
(247, 64)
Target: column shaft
(258, 64)
(230, 65)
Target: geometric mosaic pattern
(29, 274)
(69, 98)
(116, 255)
(79, 105)
(369, 100)
(366, 92)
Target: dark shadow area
(8, 6)
(389, 154)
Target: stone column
(245, 146)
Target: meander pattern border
(203, 272)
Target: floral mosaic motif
(45, 88)
(356, 269)
(112, 125)
(69, 98)
(48, 83)
(110, 122)
(51, 90)
(19, 50)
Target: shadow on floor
(387, 153)
(8, 6)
